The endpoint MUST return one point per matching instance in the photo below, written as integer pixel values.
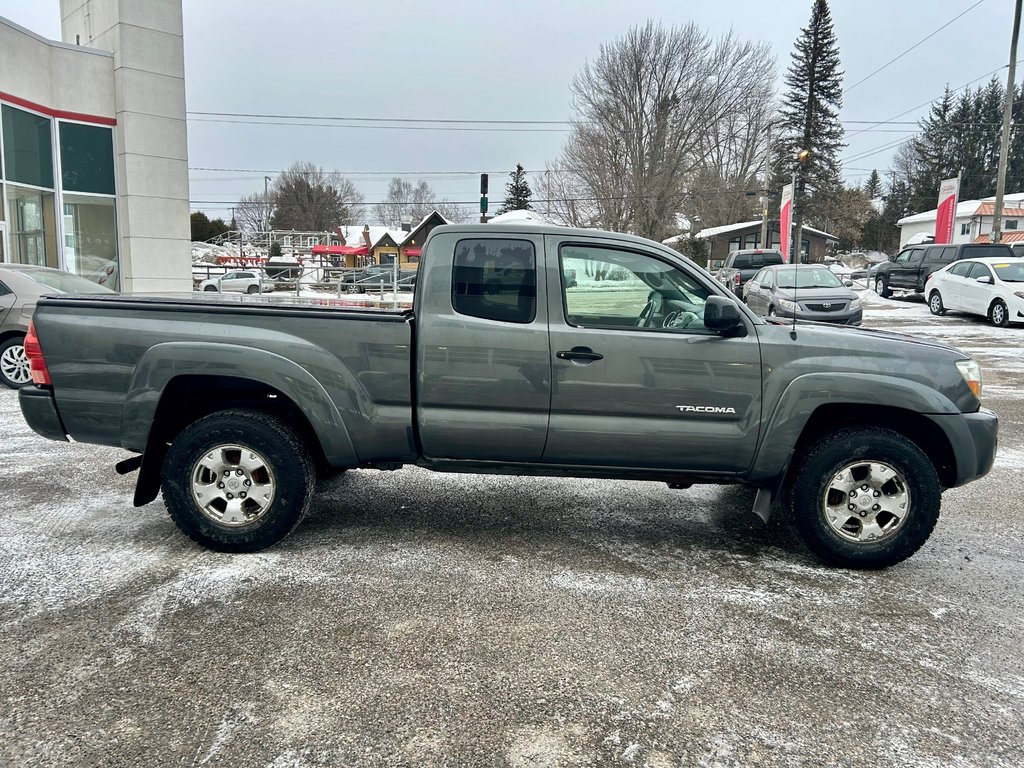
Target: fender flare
(806, 393)
(162, 363)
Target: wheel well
(924, 433)
(188, 398)
(11, 335)
(996, 300)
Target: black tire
(815, 470)
(14, 372)
(935, 305)
(998, 314)
(882, 287)
(772, 312)
(210, 289)
(288, 463)
(252, 289)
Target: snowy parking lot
(422, 619)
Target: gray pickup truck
(236, 408)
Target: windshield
(64, 282)
(1010, 272)
(816, 277)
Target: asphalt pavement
(422, 619)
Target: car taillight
(34, 353)
(738, 278)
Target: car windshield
(64, 282)
(817, 277)
(1011, 272)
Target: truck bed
(111, 357)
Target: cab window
(623, 289)
(495, 280)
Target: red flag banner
(786, 221)
(946, 215)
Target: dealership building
(93, 147)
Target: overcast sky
(451, 59)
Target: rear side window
(941, 255)
(4, 290)
(495, 280)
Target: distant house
(383, 245)
(734, 237)
(973, 221)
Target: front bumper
(973, 437)
(40, 412)
(848, 317)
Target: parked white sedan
(242, 281)
(992, 287)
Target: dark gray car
(21, 285)
(808, 291)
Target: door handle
(583, 355)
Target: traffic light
(483, 183)
(483, 204)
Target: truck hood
(866, 338)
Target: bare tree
(649, 108)
(405, 200)
(253, 213)
(562, 197)
(308, 198)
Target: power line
(915, 45)
(927, 103)
(376, 127)
(382, 119)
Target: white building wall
(907, 231)
(150, 138)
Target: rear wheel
(772, 312)
(935, 304)
(210, 289)
(14, 368)
(237, 481)
(865, 498)
(999, 314)
(882, 288)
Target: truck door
(637, 381)
(906, 268)
(483, 363)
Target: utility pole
(266, 204)
(764, 191)
(1004, 142)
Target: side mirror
(848, 283)
(984, 279)
(721, 314)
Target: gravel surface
(421, 619)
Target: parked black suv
(742, 265)
(911, 267)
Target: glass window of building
(28, 154)
(90, 238)
(32, 233)
(86, 158)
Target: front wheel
(935, 304)
(237, 481)
(252, 289)
(882, 288)
(865, 497)
(999, 314)
(14, 367)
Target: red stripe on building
(58, 113)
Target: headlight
(789, 306)
(855, 304)
(971, 372)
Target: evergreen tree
(809, 117)
(873, 186)
(517, 192)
